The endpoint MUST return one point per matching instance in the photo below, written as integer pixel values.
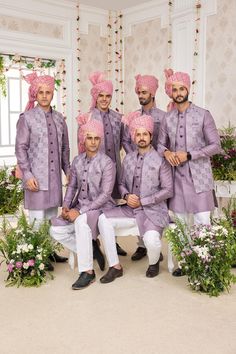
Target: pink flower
(10, 267)
(31, 262)
(19, 265)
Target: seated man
(89, 190)
(146, 183)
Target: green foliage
(11, 193)
(3, 81)
(25, 251)
(224, 165)
(205, 254)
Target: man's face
(142, 138)
(179, 93)
(103, 101)
(144, 95)
(92, 142)
(44, 96)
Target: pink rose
(31, 262)
(18, 265)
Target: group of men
(166, 167)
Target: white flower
(25, 265)
(39, 256)
(41, 266)
(30, 247)
(25, 247)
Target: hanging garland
(115, 56)
(196, 45)
(78, 51)
(169, 40)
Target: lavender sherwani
(42, 150)
(193, 130)
(149, 177)
(113, 131)
(157, 116)
(89, 191)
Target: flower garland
(169, 41)
(78, 51)
(196, 45)
(115, 56)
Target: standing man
(42, 151)
(188, 138)
(101, 93)
(89, 191)
(146, 183)
(146, 88)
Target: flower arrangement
(205, 254)
(230, 215)
(25, 252)
(11, 193)
(224, 165)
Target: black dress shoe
(56, 258)
(98, 255)
(49, 267)
(120, 250)
(139, 254)
(84, 280)
(111, 275)
(178, 273)
(233, 265)
(161, 258)
(153, 270)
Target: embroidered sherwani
(113, 131)
(157, 116)
(194, 131)
(149, 177)
(42, 151)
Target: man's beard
(184, 99)
(144, 102)
(141, 145)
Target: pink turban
(99, 85)
(88, 125)
(136, 120)
(147, 80)
(35, 81)
(176, 78)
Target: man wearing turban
(146, 183)
(88, 193)
(145, 88)
(188, 138)
(101, 93)
(42, 151)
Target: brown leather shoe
(153, 270)
(111, 275)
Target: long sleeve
(122, 185)
(126, 140)
(22, 146)
(166, 184)
(72, 187)
(163, 138)
(212, 139)
(106, 188)
(65, 156)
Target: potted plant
(205, 253)
(25, 252)
(224, 165)
(11, 193)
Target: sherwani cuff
(195, 154)
(147, 200)
(161, 149)
(27, 175)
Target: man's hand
(32, 184)
(64, 213)
(72, 215)
(172, 157)
(182, 156)
(133, 201)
